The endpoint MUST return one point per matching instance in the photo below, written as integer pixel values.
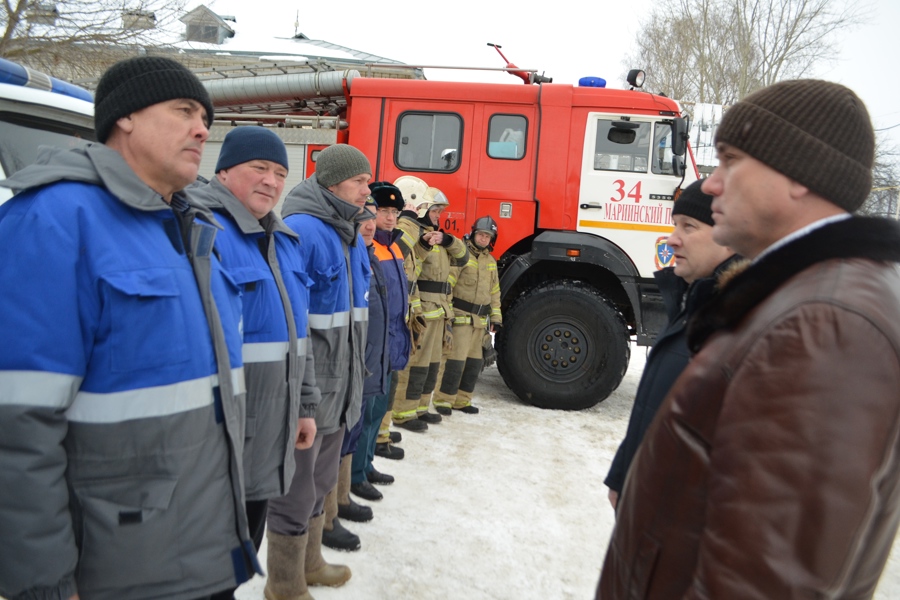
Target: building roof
(252, 35)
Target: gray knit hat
(816, 132)
(340, 162)
(136, 83)
(244, 144)
(692, 202)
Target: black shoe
(430, 418)
(377, 478)
(396, 437)
(416, 425)
(444, 410)
(357, 513)
(389, 451)
(339, 538)
(366, 491)
(469, 410)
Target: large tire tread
(566, 306)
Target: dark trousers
(375, 409)
(351, 437)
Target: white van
(38, 110)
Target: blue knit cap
(247, 143)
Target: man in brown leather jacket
(771, 469)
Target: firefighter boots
(416, 425)
(389, 451)
(430, 418)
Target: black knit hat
(816, 132)
(251, 143)
(136, 83)
(694, 203)
(387, 195)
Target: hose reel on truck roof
(255, 91)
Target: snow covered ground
(506, 504)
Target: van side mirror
(680, 128)
(677, 166)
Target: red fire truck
(580, 179)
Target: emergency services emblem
(664, 254)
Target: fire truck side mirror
(679, 136)
(677, 166)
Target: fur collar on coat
(857, 237)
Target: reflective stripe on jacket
(337, 263)
(120, 439)
(436, 268)
(476, 283)
(280, 374)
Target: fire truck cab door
(627, 186)
(433, 141)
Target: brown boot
(331, 507)
(286, 555)
(319, 572)
(343, 484)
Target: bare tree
(884, 200)
(69, 38)
(718, 51)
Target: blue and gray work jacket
(121, 390)
(337, 262)
(263, 258)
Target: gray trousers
(316, 475)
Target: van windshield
(21, 137)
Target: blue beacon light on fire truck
(597, 82)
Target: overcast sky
(584, 38)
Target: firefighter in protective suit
(476, 313)
(442, 251)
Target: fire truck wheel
(563, 346)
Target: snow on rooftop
(270, 32)
(250, 42)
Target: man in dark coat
(684, 288)
(770, 470)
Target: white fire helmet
(433, 197)
(412, 188)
